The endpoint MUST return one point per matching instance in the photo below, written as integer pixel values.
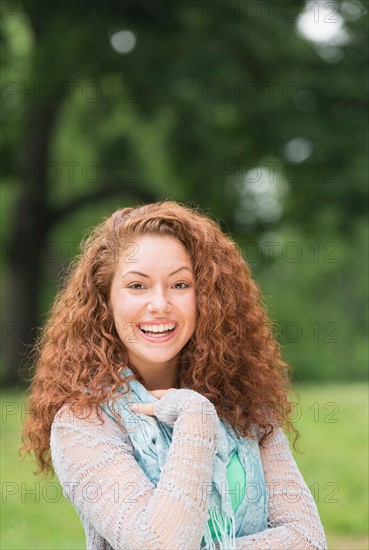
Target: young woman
(160, 395)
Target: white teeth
(157, 328)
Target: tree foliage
(224, 104)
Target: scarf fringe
(225, 540)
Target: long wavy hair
(232, 358)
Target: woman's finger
(148, 408)
(142, 408)
(160, 393)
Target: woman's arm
(293, 519)
(100, 476)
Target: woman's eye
(136, 286)
(184, 285)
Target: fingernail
(133, 407)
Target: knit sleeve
(101, 478)
(293, 520)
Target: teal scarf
(250, 516)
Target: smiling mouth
(158, 335)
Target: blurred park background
(254, 110)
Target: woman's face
(154, 304)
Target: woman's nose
(158, 301)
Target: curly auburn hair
(232, 358)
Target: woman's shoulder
(92, 422)
(272, 431)
(70, 413)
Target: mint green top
(236, 478)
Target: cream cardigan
(121, 509)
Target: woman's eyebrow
(144, 275)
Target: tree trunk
(21, 301)
(32, 219)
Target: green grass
(36, 516)
(333, 424)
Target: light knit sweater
(121, 509)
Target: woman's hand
(148, 408)
(200, 412)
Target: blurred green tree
(225, 104)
